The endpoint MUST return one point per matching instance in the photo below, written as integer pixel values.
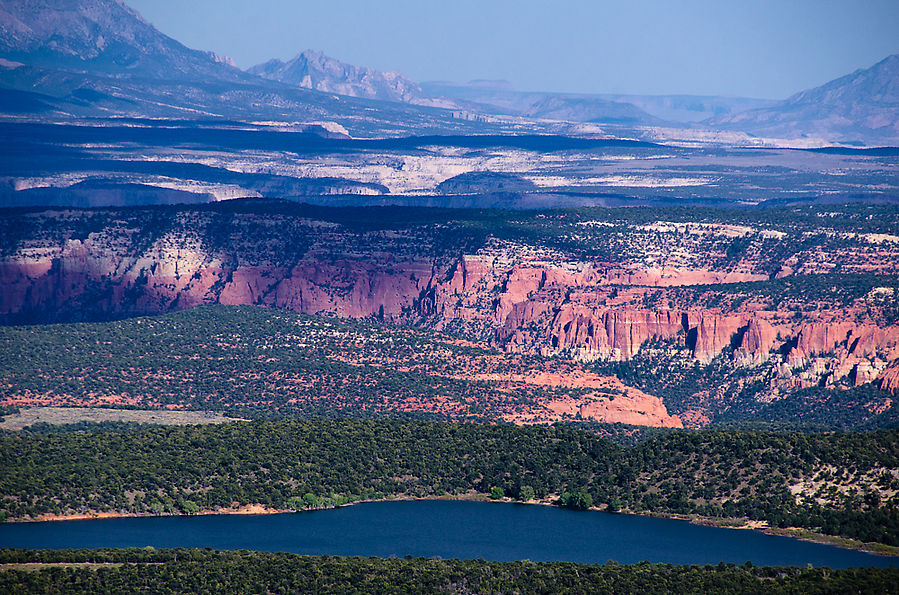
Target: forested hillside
(237, 572)
(206, 571)
(839, 484)
(261, 362)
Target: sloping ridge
(315, 70)
(100, 36)
(863, 105)
(99, 58)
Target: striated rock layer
(519, 303)
(519, 298)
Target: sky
(751, 48)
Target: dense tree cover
(270, 462)
(667, 369)
(835, 289)
(729, 392)
(621, 434)
(251, 361)
(845, 483)
(624, 434)
(43, 428)
(259, 362)
(208, 571)
(444, 233)
(846, 409)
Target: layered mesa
(648, 303)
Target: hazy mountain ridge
(100, 36)
(501, 96)
(315, 70)
(690, 108)
(90, 58)
(99, 58)
(861, 106)
(589, 109)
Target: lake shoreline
(721, 523)
(878, 549)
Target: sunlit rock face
(314, 70)
(517, 296)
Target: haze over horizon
(763, 49)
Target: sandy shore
(249, 509)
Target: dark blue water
(449, 530)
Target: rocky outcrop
(87, 278)
(889, 378)
(610, 334)
(628, 409)
(482, 182)
(713, 333)
(870, 340)
(531, 308)
(825, 352)
(617, 334)
(674, 276)
(818, 338)
(610, 402)
(314, 70)
(759, 339)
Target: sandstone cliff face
(525, 299)
(531, 308)
(101, 275)
(759, 339)
(610, 402)
(673, 276)
(829, 351)
(817, 338)
(613, 334)
(714, 333)
(889, 378)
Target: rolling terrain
(265, 363)
(145, 162)
(310, 283)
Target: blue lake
(448, 529)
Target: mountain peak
(862, 105)
(313, 69)
(879, 83)
(98, 35)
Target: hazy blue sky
(757, 48)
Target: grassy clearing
(73, 415)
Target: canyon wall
(517, 297)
